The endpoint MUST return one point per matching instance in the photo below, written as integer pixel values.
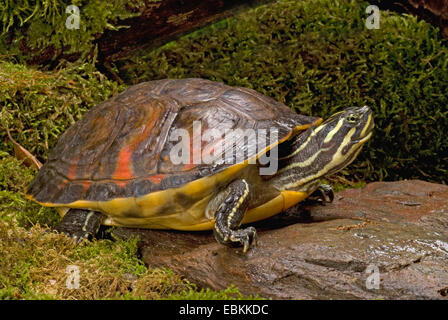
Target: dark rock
(323, 252)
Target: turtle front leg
(80, 224)
(229, 215)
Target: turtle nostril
(364, 109)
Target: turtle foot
(80, 224)
(323, 194)
(242, 237)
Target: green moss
(124, 251)
(34, 266)
(318, 57)
(38, 106)
(42, 23)
(231, 293)
(14, 177)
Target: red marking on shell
(72, 171)
(86, 184)
(157, 178)
(188, 166)
(121, 184)
(123, 170)
(193, 152)
(64, 182)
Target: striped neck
(323, 150)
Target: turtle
(158, 156)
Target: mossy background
(315, 56)
(30, 27)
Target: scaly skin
(230, 214)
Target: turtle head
(325, 149)
(342, 135)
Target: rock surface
(324, 252)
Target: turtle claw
(81, 237)
(324, 194)
(77, 235)
(246, 237)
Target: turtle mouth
(365, 138)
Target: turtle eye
(352, 118)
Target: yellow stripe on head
(338, 159)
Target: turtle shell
(121, 147)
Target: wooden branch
(158, 23)
(163, 21)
